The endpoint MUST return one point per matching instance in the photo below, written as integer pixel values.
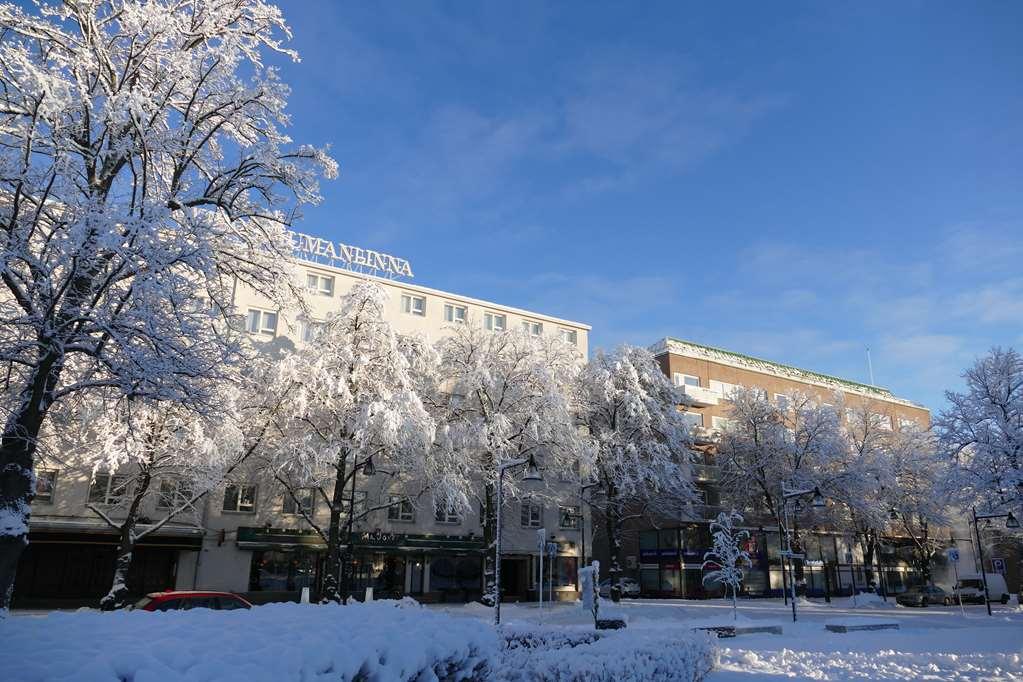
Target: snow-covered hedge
(560, 655)
(280, 642)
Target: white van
(971, 588)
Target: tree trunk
(117, 597)
(332, 589)
(869, 545)
(614, 542)
(490, 542)
(17, 453)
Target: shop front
(427, 567)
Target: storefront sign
(342, 255)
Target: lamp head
(1011, 522)
(532, 471)
(893, 514)
(818, 501)
(367, 468)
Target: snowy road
(931, 644)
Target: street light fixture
(367, 468)
(532, 474)
(1010, 522)
(817, 501)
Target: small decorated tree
(727, 557)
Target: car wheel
(1005, 599)
(948, 601)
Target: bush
(560, 655)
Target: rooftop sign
(341, 255)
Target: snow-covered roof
(733, 359)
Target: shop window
(46, 483)
(648, 539)
(455, 574)
(276, 571)
(566, 571)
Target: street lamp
(582, 515)
(817, 501)
(367, 470)
(532, 474)
(1010, 522)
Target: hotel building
(666, 556)
(250, 538)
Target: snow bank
(577, 655)
(279, 642)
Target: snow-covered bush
(367, 642)
(559, 655)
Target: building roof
(727, 357)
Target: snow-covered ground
(933, 643)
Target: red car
(180, 601)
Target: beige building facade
(249, 537)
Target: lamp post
(1011, 523)
(532, 474)
(367, 470)
(582, 515)
(817, 502)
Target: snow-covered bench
(859, 627)
(734, 630)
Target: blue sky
(795, 181)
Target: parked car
(971, 588)
(630, 588)
(924, 595)
(181, 601)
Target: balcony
(704, 436)
(701, 397)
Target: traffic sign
(953, 555)
(998, 565)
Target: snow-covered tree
(981, 434)
(727, 556)
(639, 443)
(506, 395)
(143, 174)
(356, 401)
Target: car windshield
(970, 584)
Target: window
(532, 515)
(109, 489)
(321, 285)
(570, 336)
(686, 380)
(401, 509)
(173, 493)
(360, 503)
(884, 421)
(413, 305)
(309, 330)
(262, 322)
(532, 328)
(304, 497)
(568, 517)
(720, 423)
(782, 401)
(444, 515)
(907, 423)
(694, 419)
(46, 481)
(494, 322)
(455, 314)
(722, 388)
(240, 498)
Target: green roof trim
(819, 377)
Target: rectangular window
(568, 517)
(722, 388)
(532, 515)
(566, 571)
(494, 322)
(321, 285)
(720, 423)
(570, 336)
(173, 493)
(456, 314)
(443, 515)
(907, 423)
(693, 418)
(413, 305)
(884, 421)
(309, 330)
(686, 379)
(360, 503)
(532, 328)
(46, 482)
(240, 498)
(109, 489)
(305, 501)
(262, 322)
(782, 401)
(401, 509)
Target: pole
(539, 580)
(980, 549)
(958, 588)
(497, 549)
(550, 580)
(788, 545)
(824, 569)
(349, 554)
